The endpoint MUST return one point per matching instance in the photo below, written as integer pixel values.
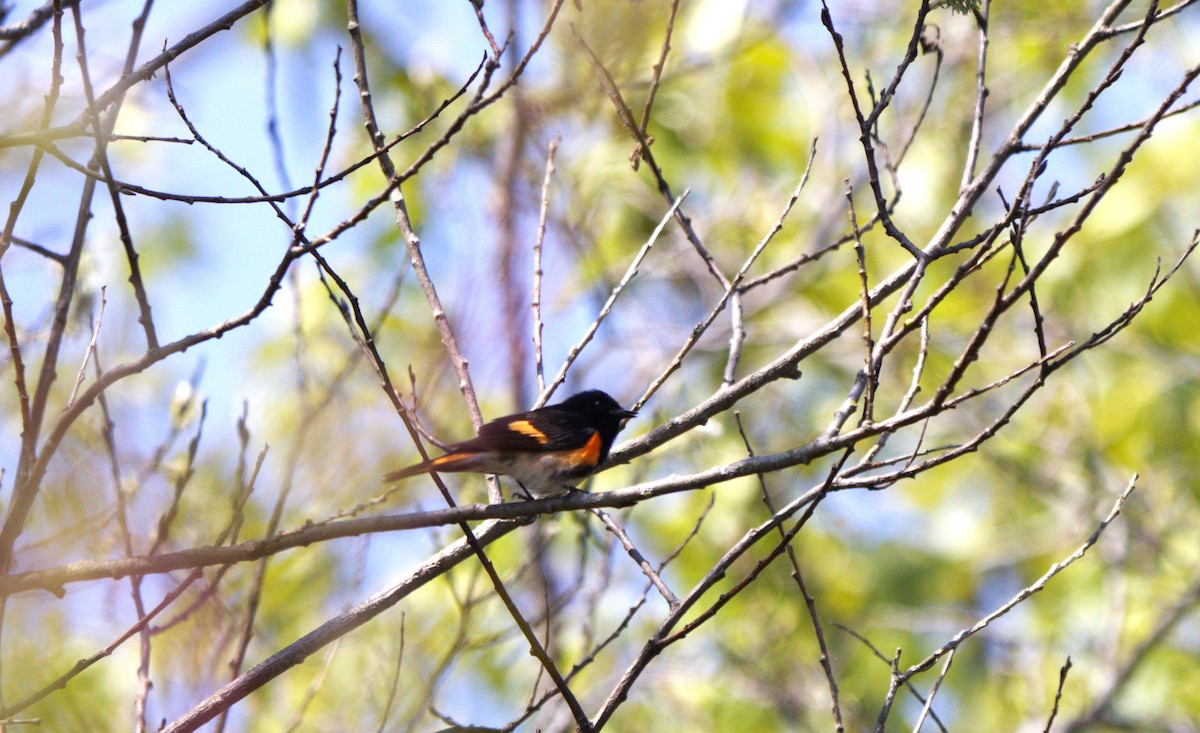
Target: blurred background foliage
(748, 90)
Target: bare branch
(1026, 592)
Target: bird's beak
(626, 414)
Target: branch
(1026, 592)
(335, 628)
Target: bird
(546, 451)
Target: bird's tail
(448, 463)
(403, 473)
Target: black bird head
(600, 410)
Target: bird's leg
(524, 492)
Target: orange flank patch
(526, 428)
(588, 455)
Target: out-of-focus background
(747, 99)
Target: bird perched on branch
(547, 451)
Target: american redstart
(546, 450)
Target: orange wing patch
(526, 428)
(587, 456)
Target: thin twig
(102, 132)
(883, 658)
(412, 242)
(1028, 591)
(870, 375)
(937, 685)
(91, 348)
(417, 260)
(395, 686)
(625, 115)
(264, 197)
(647, 569)
(630, 272)
(665, 634)
(1119, 678)
(981, 94)
(809, 601)
(84, 664)
(730, 290)
(866, 122)
(313, 688)
(537, 268)
(655, 80)
(336, 627)
(1062, 681)
(108, 433)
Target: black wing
(547, 429)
